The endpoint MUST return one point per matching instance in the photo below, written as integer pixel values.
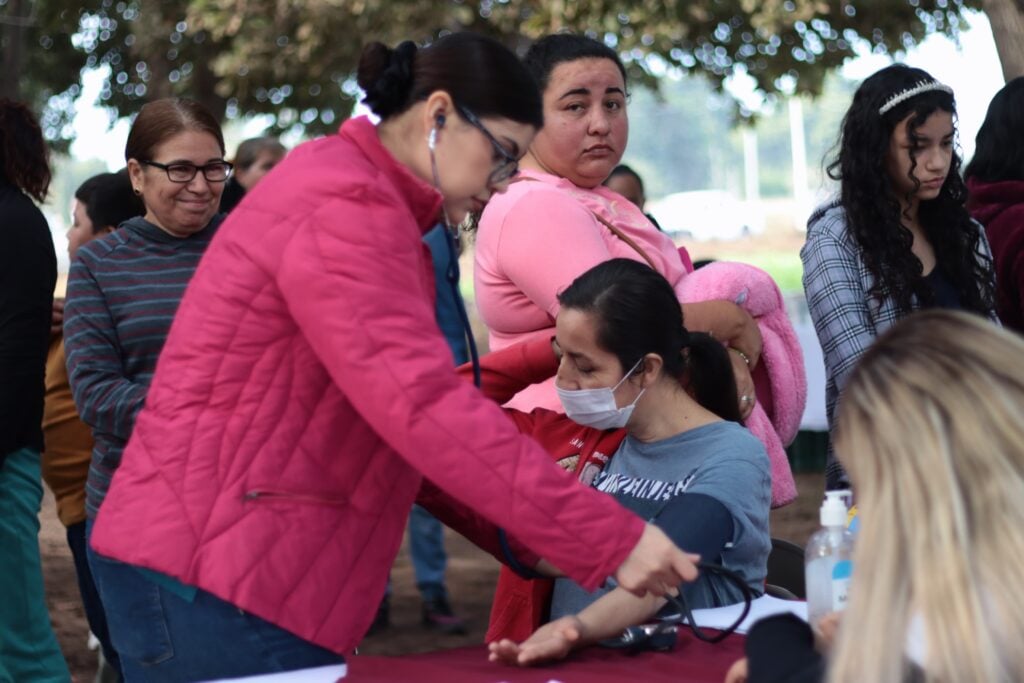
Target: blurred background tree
(294, 60)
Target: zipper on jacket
(258, 495)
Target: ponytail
(709, 378)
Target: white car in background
(707, 215)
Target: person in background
(305, 392)
(426, 533)
(931, 431)
(253, 159)
(995, 182)
(28, 275)
(628, 183)
(123, 291)
(557, 220)
(898, 237)
(102, 203)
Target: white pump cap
(833, 510)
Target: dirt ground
(471, 577)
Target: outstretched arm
(697, 522)
(605, 618)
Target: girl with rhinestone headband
(897, 238)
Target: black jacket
(28, 274)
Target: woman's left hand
(744, 383)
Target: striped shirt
(123, 292)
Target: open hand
(551, 641)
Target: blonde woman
(931, 429)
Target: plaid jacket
(846, 317)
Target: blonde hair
(931, 431)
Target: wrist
(584, 630)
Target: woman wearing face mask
(558, 220)
(659, 402)
(898, 237)
(305, 390)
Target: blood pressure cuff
(697, 523)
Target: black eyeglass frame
(510, 166)
(166, 168)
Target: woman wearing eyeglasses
(124, 288)
(305, 391)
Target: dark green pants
(28, 647)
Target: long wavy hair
(873, 210)
(931, 431)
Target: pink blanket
(782, 385)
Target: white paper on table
(764, 606)
(321, 674)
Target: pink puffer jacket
(303, 390)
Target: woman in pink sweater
(557, 220)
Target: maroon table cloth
(692, 661)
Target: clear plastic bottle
(829, 559)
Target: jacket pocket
(278, 496)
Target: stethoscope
(452, 276)
(662, 634)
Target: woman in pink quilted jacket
(305, 391)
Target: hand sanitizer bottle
(829, 559)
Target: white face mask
(596, 407)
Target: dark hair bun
(386, 76)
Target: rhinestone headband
(921, 87)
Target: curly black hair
(24, 157)
(873, 210)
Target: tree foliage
(294, 60)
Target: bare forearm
(720, 319)
(726, 322)
(613, 613)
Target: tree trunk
(1007, 19)
(14, 27)
(204, 80)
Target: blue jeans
(426, 546)
(90, 596)
(164, 637)
(28, 647)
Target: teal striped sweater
(123, 292)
